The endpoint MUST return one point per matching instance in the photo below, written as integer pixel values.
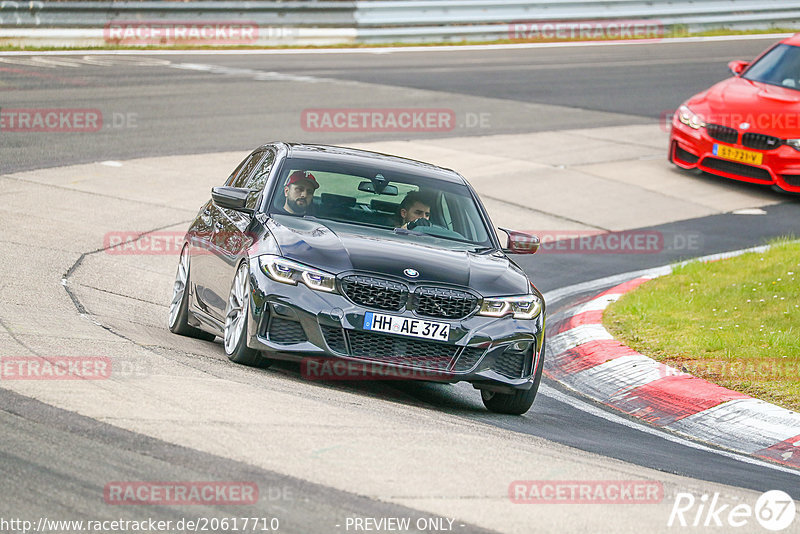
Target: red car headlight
(690, 118)
(794, 143)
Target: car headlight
(522, 306)
(794, 143)
(690, 118)
(291, 272)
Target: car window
(235, 172)
(447, 219)
(779, 66)
(374, 197)
(240, 175)
(259, 179)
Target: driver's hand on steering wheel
(422, 221)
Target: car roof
(793, 40)
(366, 157)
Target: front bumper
(694, 149)
(297, 323)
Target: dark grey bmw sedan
(380, 266)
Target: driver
(415, 207)
(299, 192)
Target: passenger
(415, 209)
(299, 192)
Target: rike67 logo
(774, 510)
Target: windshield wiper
(406, 231)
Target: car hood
(338, 248)
(767, 109)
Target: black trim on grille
(686, 156)
(740, 169)
(791, 179)
(443, 302)
(375, 292)
(511, 364)
(401, 350)
(760, 141)
(285, 332)
(334, 337)
(726, 134)
(470, 356)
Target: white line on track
(398, 49)
(610, 417)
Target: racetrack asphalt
(379, 446)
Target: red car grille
(760, 141)
(791, 179)
(683, 155)
(722, 133)
(739, 169)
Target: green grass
(675, 32)
(735, 322)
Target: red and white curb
(585, 357)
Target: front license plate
(737, 154)
(406, 326)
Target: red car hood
(768, 109)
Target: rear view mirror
(737, 67)
(369, 187)
(233, 198)
(521, 242)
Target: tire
(236, 317)
(516, 403)
(179, 307)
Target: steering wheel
(422, 221)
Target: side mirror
(521, 242)
(737, 67)
(233, 198)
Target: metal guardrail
(443, 20)
(435, 12)
(373, 21)
(44, 14)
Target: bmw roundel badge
(411, 273)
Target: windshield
(374, 197)
(779, 66)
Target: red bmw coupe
(747, 127)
